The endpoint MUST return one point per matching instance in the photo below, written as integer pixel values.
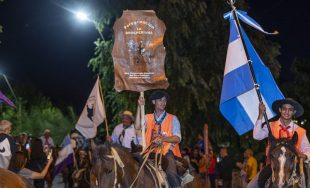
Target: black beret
(158, 94)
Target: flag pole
(106, 119)
(231, 2)
(143, 122)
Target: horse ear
(93, 145)
(271, 138)
(295, 138)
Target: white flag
(93, 113)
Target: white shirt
(49, 141)
(260, 133)
(130, 135)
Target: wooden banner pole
(143, 122)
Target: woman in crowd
(17, 165)
(37, 160)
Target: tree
(35, 116)
(196, 42)
(298, 86)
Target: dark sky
(43, 44)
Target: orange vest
(166, 130)
(275, 129)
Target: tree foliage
(35, 116)
(196, 42)
(298, 87)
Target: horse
(284, 159)
(9, 179)
(114, 166)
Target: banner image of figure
(93, 113)
(138, 52)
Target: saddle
(182, 170)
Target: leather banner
(138, 51)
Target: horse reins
(146, 153)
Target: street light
(82, 16)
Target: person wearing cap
(125, 133)
(164, 129)
(47, 140)
(284, 127)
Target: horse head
(283, 158)
(102, 165)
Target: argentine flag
(239, 101)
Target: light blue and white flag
(65, 156)
(239, 101)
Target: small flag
(93, 113)
(239, 101)
(65, 156)
(3, 98)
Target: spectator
(200, 143)
(186, 156)
(201, 161)
(37, 161)
(8, 145)
(224, 169)
(211, 168)
(47, 140)
(18, 163)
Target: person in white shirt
(47, 140)
(284, 127)
(125, 133)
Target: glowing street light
(82, 16)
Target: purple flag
(3, 98)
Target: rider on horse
(164, 129)
(284, 127)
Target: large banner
(138, 51)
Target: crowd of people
(32, 157)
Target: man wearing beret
(164, 129)
(284, 127)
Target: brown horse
(114, 166)
(284, 158)
(9, 179)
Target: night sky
(43, 44)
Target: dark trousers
(171, 171)
(212, 180)
(264, 175)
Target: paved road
(58, 182)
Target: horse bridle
(293, 179)
(117, 162)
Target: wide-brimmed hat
(278, 103)
(158, 94)
(46, 131)
(128, 113)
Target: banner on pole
(93, 113)
(138, 52)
